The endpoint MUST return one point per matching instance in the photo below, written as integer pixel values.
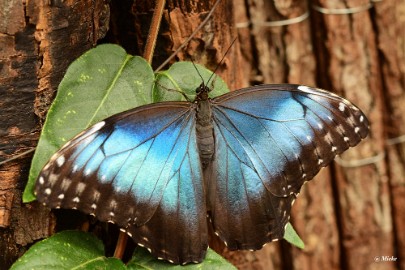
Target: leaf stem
(121, 244)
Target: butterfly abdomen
(205, 131)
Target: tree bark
(39, 39)
(390, 26)
(349, 57)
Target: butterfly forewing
(269, 140)
(140, 170)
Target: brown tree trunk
(346, 216)
(349, 58)
(38, 40)
(390, 27)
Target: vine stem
(17, 156)
(148, 55)
(154, 30)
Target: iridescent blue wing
(139, 169)
(270, 139)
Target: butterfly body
(157, 170)
(204, 127)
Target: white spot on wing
(328, 137)
(65, 184)
(87, 172)
(356, 129)
(113, 204)
(76, 200)
(41, 180)
(61, 196)
(96, 195)
(60, 160)
(341, 107)
(361, 118)
(80, 187)
(52, 178)
(48, 191)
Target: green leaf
(184, 77)
(102, 82)
(292, 237)
(142, 259)
(67, 250)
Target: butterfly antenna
(222, 59)
(199, 74)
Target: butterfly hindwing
(140, 170)
(269, 140)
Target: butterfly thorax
(204, 128)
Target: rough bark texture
(351, 68)
(354, 224)
(38, 40)
(346, 216)
(390, 26)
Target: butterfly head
(202, 92)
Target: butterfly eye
(200, 88)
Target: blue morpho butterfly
(158, 170)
